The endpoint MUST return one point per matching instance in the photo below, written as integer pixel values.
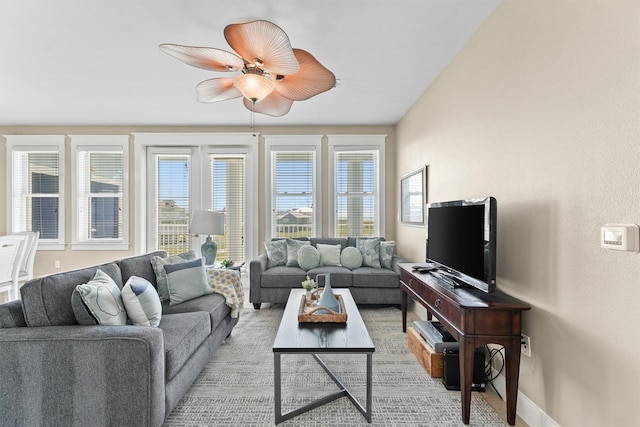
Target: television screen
(462, 241)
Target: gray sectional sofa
(56, 372)
(368, 285)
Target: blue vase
(327, 299)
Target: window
(100, 192)
(293, 183)
(356, 182)
(35, 183)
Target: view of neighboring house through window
(100, 193)
(34, 178)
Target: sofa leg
(256, 305)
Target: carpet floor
(236, 387)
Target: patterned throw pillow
(158, 264)
(293, 246)
(386, 254)
(101, 297)
(276, 252)
(370, 249)
(351, 258)
(141, 302)
(308, 257)
(185, 281)
(329, 255)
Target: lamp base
(209, 250)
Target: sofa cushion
(158, 263)
(140, 266)
(214, 304)
(340, 277)
(186, 280)
(308, 257)
(351, 258)
(283, 277)
(329, 254)
(11, 315)
(293, 246)
(142, 302)
(329, 241)
(183, 334)
(370, 249)
(386, 254)
(371, 277)
(102, 298)
(46, 301)
(276, 252)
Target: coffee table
(316, 339)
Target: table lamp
(208, 223)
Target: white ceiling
(96, 62)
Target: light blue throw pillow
(185, 281)
(158, 264)
(141, 302)
(276, 253)
(329, 255)
(386, 254)
(102, 298)
(370, 249)
(308, 257)
(351, 258)
(293, 246)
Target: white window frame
(199, 144)
(98, 143)
(28, 143)
(338, 143)
(288, 143)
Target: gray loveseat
(368, 285)
(56, 372)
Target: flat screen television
(461, 242)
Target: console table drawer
(441, 307)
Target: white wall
(541, 109)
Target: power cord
(493, 353)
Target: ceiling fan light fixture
(254, 87)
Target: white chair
(26, 266)
(11, 253)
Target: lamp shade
(253, 86)
(207, 222)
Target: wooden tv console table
(474, 318)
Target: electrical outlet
(56, 264)
(525, 345)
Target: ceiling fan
(271, 76)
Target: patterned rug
(236, 387)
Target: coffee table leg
(277, 387)
(369, 385)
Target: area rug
(236, 387)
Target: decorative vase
(327, 299)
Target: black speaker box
(451, 377)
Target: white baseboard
(526, 409)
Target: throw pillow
(185, 281)
(351, 258)
(386, 254)
(141, 302)
(276, 252)
(308, 257)
(329, 255)
(158, 264)
(370, 249)
(102, 298)
(293, 246)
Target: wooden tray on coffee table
(309, 314)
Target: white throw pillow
(141, 302)
(329, 255)
(308, 257)
(351, 258)
(102, 298)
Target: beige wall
(541, 109)
(45, 260)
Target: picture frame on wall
(413, 188)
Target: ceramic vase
(327, 299)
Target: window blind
(357, 193)
(292, 192)
(173, 180)
(228, 196)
